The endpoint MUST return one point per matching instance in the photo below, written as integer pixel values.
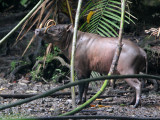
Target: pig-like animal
(95, 53)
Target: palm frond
(106, 18)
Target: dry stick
(119, 48)
(48, 50)
(69, 10)
(41, 13)
(58, 94)
(55, 12)
(46, 17)
(28, 19)
(19, 24)
(48, 13)
(33, 23)
(29, 44)
(73, 51)
(113, 66)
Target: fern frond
(106, 19)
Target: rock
(110, 110)
(69, 101)
(31, 91)
(56, 112)
(110, 99)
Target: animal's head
(54, 34)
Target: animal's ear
(69, 27)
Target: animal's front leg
(80, 87)
(81, 91)
(85, 91)
(83, 87)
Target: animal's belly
(100, 65)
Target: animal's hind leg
(136, 84)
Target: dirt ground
(53, 106)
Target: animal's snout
(40, 32)
(37, 31)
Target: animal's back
(95, 53)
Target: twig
(119, 48)
(73, 51)
(59, 95)
(69, 10)
(63, 63)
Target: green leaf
(107, 25)
(111, 13)
(114, 6)
(122, 105)
(114, 18)
(83, 26)
(23, 2)
(112, 23)
(101, 34)
(129, 18)
(105, 28)
(116, 2)
(89, 4)
(104, 33)
(106, 19)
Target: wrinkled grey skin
(95, 53)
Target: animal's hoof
(134, 106)
(83, 100)
(78, 101)
(131, 103)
